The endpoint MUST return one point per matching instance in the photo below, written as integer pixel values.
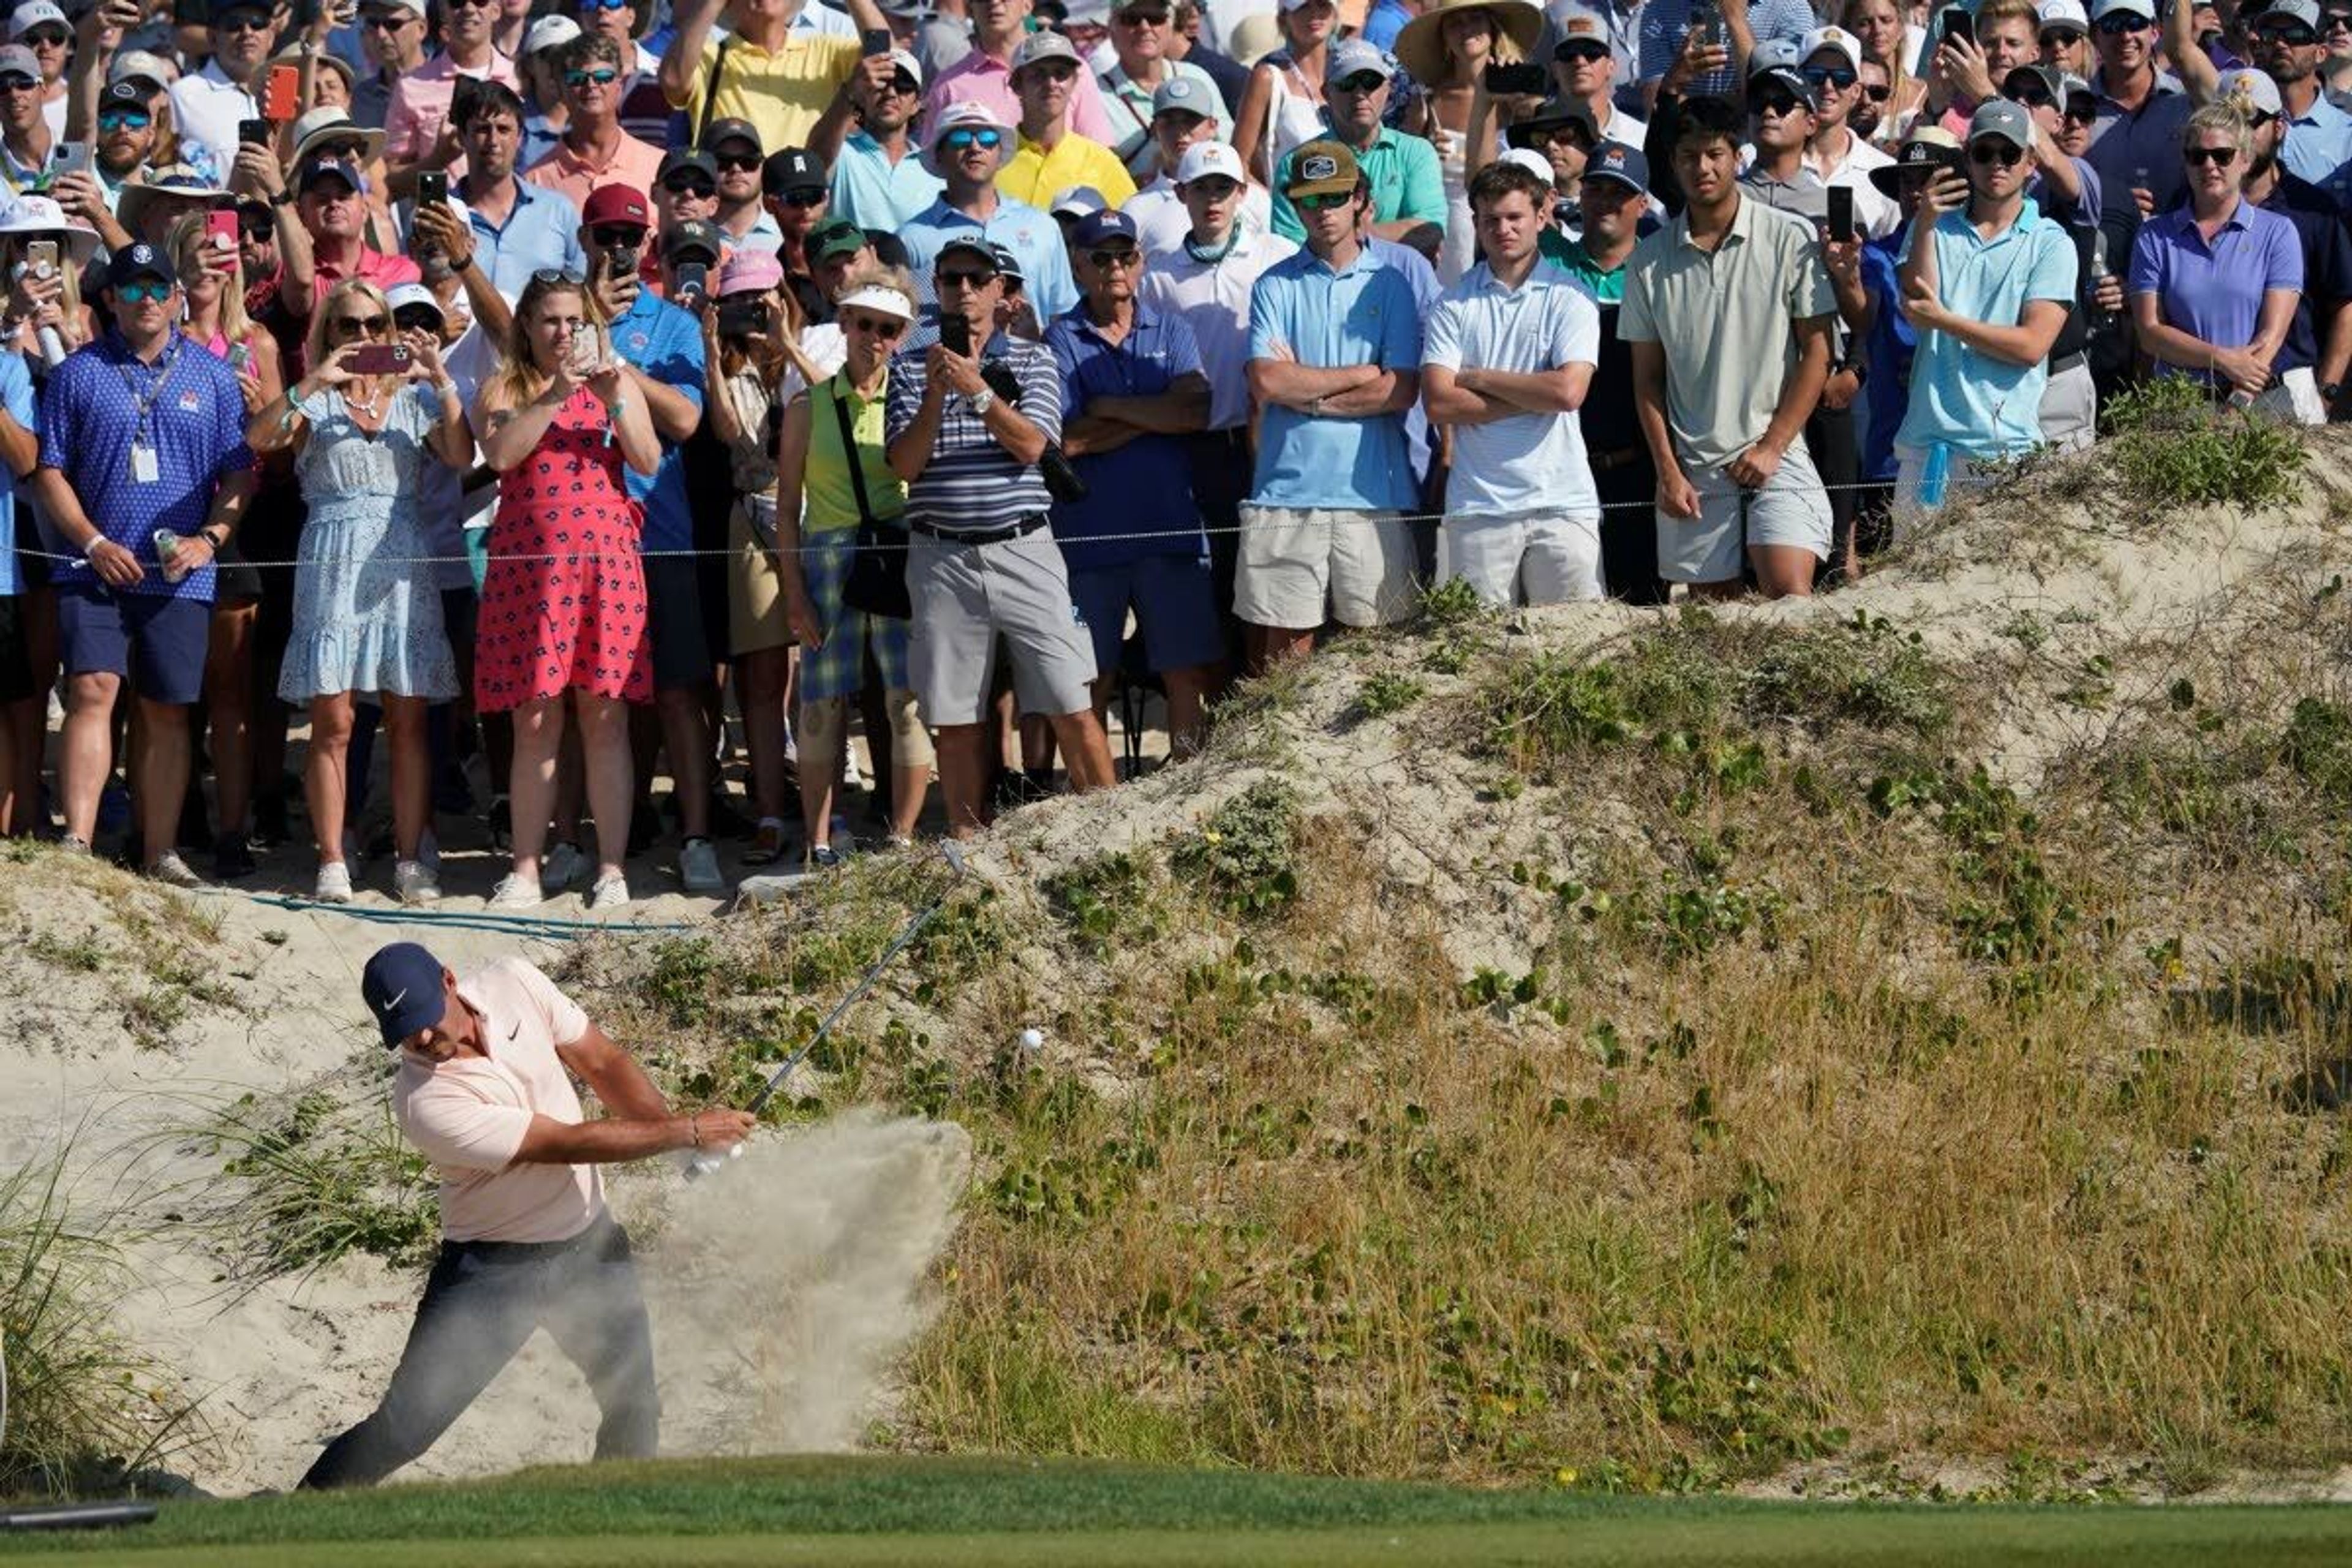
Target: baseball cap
(692, 238)
(415, 6)
(1203, 159)
(882, 298)
(411, 297)
(967, 115)
(133, 262)
(2254, 89)
(1998, 117)
(2049, 80)
(1527, 158)
(31, 13)
(1773, 55)
(15, 60)
(970, 244)
(695, 158)
(402, 986)
(1076, 201)
(548, 33)
(834, 236)
(1182, 94)
(1623, 165)
(2064, 15)
(1930, 147)
(1354, 56)
(2103, 9)
(617, 203)
(751, 269)
(1576, 23)
(123, 95)
(2304, 11)
(318, 169)
(139, 64)
(1836, 38)
(1040, 46)
(1008, 266)
(331, 124)
(790, 169)
(1562, 110)
(1785, 76)
(1101, 228)
(906, 65)
(722, 132)
(1322, 167)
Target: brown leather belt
(1623, 457)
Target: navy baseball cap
(402, 986)
(1098, 228)
(134, 263)
(1625, 164)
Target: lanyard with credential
(143, 467)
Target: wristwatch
(286, 198)
(980, 402)
(2331, 392)
(214, 535)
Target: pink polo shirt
(468, 1115)
(633, 163)
(420, 104)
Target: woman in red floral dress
(563, 607)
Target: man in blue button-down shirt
(519, 227)
(1334, 361)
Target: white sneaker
(611, 893)
(697, 862)
(334, 883)
(169, 867)
(564, 867)
(414, 882)
(515, 892)
(428, 852)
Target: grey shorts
(1794, 510)
(965, 595)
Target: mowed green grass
(1009, 1512)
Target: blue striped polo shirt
(973, 485)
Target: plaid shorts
(838, 667)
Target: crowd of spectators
(546, 383)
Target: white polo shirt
(468, 1114)
(1213, 297)
(207, 106)
(1876, 215)
(1527, 462)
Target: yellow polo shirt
(1036, 176)
(782, 92)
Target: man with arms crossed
(1727, 310)
(484, 1090)
(1508, 356)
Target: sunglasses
(1141, 18)
(125, 119)
(416, 319)
(554, 276)
(464, 4)
(738, 162)
(1778, 104)
(964, 277)
(1122, 258)
(689, 185)
(2293, 35)
(2220, 157)
(50, 38)
(2082, 110)
(142, 293)
(255, 233)
(1323, 201)
(604, 5)
(957, 141)
(1362, 82)
(13, 83)
(1838, 76)
(902, 84)
(602, 76)
(242, 22)
(1590, 54)
(1987, 153)
(2115, 27)
(803, 198)
(616, 237)
(387, 22)
(357, 326)
(882, 327)
(2058, 37)
(1878, 94)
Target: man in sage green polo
(1408, 192)
(1727, 310)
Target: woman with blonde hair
(1894, 43)
(832, 473)
(212, 279)
(367, 603)
(564, 617)
(1447, 49)
(1283, 105)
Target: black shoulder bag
(877, 583)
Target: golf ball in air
(1032, 1040)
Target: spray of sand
(782, 1288)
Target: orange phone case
(279, 94)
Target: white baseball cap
(2256, 88)
(1836, 38)
(1533, 162)
(548, 33)
(31, 13)
(2065, 14)
(139, 64)
(1205, 158)
(1076, 201)
(2103, 9)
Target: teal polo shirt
(1975, 403)
(1365, 315)
(1403, 174)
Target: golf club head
(694, 1164)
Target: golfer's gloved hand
(721, 1130)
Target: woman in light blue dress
(367, 609)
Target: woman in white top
(1447, 48)
(1284, 105)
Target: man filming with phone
(208, 104)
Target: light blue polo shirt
(1402, 174)
(16, 397)
(666, 343)
(872, 192)
(2318, 144)
(543, 230)
(1034, 239)
(1364, 315)
(1976, 405)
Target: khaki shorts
(755, 590)
(1794, 510)
(1533, 558)
(1302, 566)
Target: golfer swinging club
(483, 1091)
